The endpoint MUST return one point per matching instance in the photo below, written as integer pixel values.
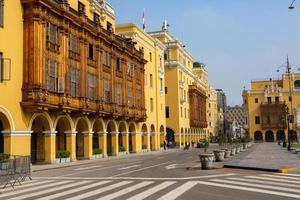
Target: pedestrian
(165, 145)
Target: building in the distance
(270, 110)
(212, 112)
(221, 104)
(235, 121)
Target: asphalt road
(155, 176)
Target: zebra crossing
(47, 188)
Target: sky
(238, 40)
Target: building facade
(76, 85)
(270, 111)
(186, 92)
(235, 121)
(221, 104)
(153, 130)
(212, 113)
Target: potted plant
(97, 153)
(122, 151)
(144, 148)
(206, 159)
(4, 161)
(232, 149)
(227, 150)
(63, 156)
(220, 154)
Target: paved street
(157, 176)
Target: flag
(144, 20)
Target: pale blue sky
(238, 40)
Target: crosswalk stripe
(25, 185)
(296, 175)
(265, 182)
(33, 188)
(151, 191)
(272, 179)
(126, 190)
(174, 194)
(277, 176)
(54, 196)
(257, 185)
(100, 190)
(250, 189)
(49, 190)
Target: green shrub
(161, 145)
(4, 156)
(63, 154)
(144, 146)
(97, 151)
(122, 149)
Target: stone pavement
(265, 156)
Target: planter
(122, 153)
(219, 155)
(241, 148)
(97, 156)
(227, 153)
(237, 149)
(233, 151)
(144, 150)
(63, 160)
(206, 160)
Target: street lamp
(291, 7)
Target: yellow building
(266, 106)
(185, 89)
(153, 130)
(213, 118)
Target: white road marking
(99, 191)
(250, 189)
(41, 192)
(151, 191)
(126, 190)
(256, 185)
(277, 176)
(54, 196)
(273, 179)
(296, 175)
(33, 189)
(129, 167)
(174, 194)
(135, 178)
(265, 182)
(26, 184)
(173, 166)
(85, 168)
(149, 167)
(92, 170)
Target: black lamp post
(291, 7)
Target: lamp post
(291, 7)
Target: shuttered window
(118, 93)
(74, 82)
(1, 13)
(51, 75)
(92, 86)
(107, 94)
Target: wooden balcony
(273, 115)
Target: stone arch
(85, 121)
(98, 128)
(162, 134)
(111, 128)
(122, 129)
(39, 124)
(62, 124)
(6, 124)
(144, 139)
(269, 136)
(170, 137)
(258, 136)
(132, 140)
(152, 137)
(83, 127)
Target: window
(81, 8)
(185, 113)
(257, 120)
(139, 97)
(109, 27)
(166, 90)
(151, 104)
(296, 84)
(92, 86)
(52, 34)
(256, 100)
(150, 56)
(106, 59)
(268, 119)
(96, 18)
(269, 99)
(118, 65)
(160, 62)
(167, 112)
(118, 94)
(107, 97)
(276, 99)
(51, 75)
(1, 67)
(130, 69)
(74, 43)
(181, 113)
(166, 56)
(74, 82)
(151, 80)
(129, 96)
(91, 52)
(161, 84)
(1, 13)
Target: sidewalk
(42, 167)
(265, 156)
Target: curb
(281, 170)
